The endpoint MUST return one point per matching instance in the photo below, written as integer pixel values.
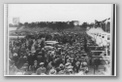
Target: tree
(84, 25)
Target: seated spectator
(41, 70)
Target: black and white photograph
(59, 40)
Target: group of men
(31, 55)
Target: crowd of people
(32, 55)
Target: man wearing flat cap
(41, 70)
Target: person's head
(77, 63)
(72, 60)
(35, 62)
(43, 49)
(70, 71)
(67, 64)
(25, 57)
(15, 54)
(53, 71)
(41, 64)
(68, 60)
(61, 66)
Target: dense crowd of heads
(31, 55)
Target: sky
(59, 12)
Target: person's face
(35, 63)
(68, 60)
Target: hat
(40, 52)
(33, 51)
(15, 54)
(67, 64)
(61, 72)
(70, 67)
(24, 56)
(52, 71)
(84, 63)
(25, 64)
(42, 63)
(61, 66)
(70, 70)
(24, 67)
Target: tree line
(65, 25)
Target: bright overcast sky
(59, 12)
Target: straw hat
(42, 63)
(52, 71)
(67, 64)
(70, 67)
